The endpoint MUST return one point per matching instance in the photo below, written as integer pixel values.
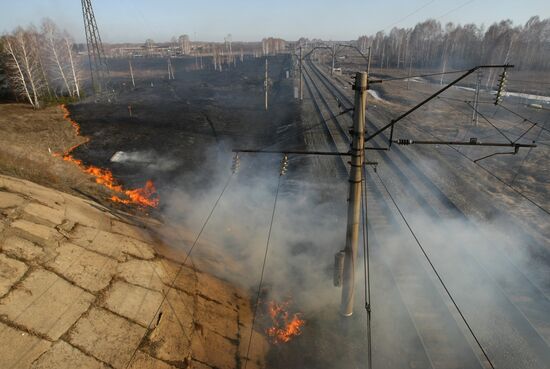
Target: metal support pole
(301, 82)
(354, 204)
(368, 64)
(333, 55)
(266, 84)
(476, 98)
(410, 69)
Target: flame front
(146, 196)
(285, 326)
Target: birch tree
(57, 54)
(454, 46)
(23, 66)
(74, 70)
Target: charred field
(178, 128)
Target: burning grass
(144, 197)
(285, 326)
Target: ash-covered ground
(181, 127)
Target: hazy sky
(247, 20)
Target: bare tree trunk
(21, 76)
(132, 73)
(28, 65)
(28, 69)
(75, 80)
(53, 47)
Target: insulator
(284, 165)
(236, 163)
(404, 141)
(501, 87)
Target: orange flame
(146, 196)
(284, 326)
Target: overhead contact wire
(262, 273)
(183, 264)
(436, 273)
(366, 266)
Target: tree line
(431, 45)
(40, 64)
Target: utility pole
(355, 192)
(410, 69)
(476, 97)
(266, 84)
(170, 70)
(132, 73)
(368, 64)
(333, 55)
(301, 82)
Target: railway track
(522, 303)
(427, 348)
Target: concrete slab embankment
(82, 285)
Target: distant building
(185, 44)
(273, 45)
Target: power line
(524, 118)
(436, 272)
(468, 103)
(455, 9)
(182, 265)
(490, 172)
(488, 121)
(411, 14)
(263, 270)
(524, 159)
(525, 81)
(418, 76)
(299, 133)
(366, 267)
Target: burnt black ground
(183, 125)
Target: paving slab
(155, 275)
(259, 347)
(186, 279)
(64, 356)
(83, 235)
(45, 195)
(21, 248)
(86, 269)
(81, 212)
(107, 337)
(129, 230)
(119, 247)
(8, 200)
(170, 340)
(194, 364)
(11, 271)
(45, 303)
(216, 289)
(217, 317)
(144, 361)
(136, 303)
(36, 231)
(209, 347)
(45, 213)
(19, 349)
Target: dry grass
(28, 141)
